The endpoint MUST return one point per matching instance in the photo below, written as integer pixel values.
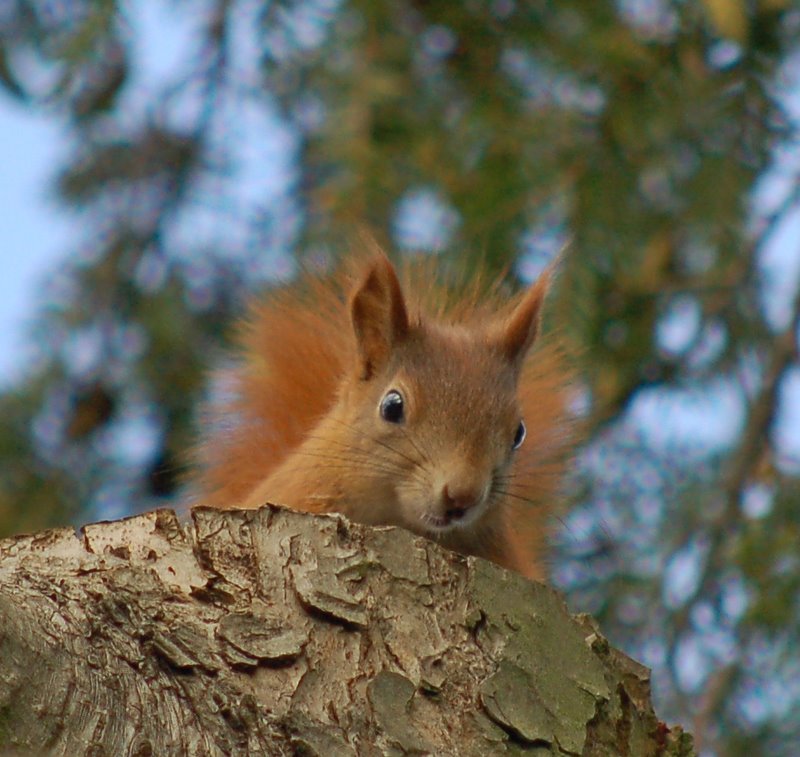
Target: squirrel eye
(519, 436)
(392, 407)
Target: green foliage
(643, 132)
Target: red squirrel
(396, 404)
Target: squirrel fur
(397, 404)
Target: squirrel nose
(458, 500)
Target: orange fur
(298, 351)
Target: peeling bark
(277, 633)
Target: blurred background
(160, 161)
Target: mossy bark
(272, 632)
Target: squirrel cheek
(410, 507)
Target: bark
(275, 633)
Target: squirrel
(397, 404)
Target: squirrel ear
(379, 316)
(518, 333)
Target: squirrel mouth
(449, 520)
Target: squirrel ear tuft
(518, 333)
(379, 316)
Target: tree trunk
(271, 632)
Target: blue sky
(35, 234)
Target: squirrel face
(436, 405)
(397, 410)
(432, 420)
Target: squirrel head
(435, 404)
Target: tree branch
(273, 632)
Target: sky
(35, 234)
